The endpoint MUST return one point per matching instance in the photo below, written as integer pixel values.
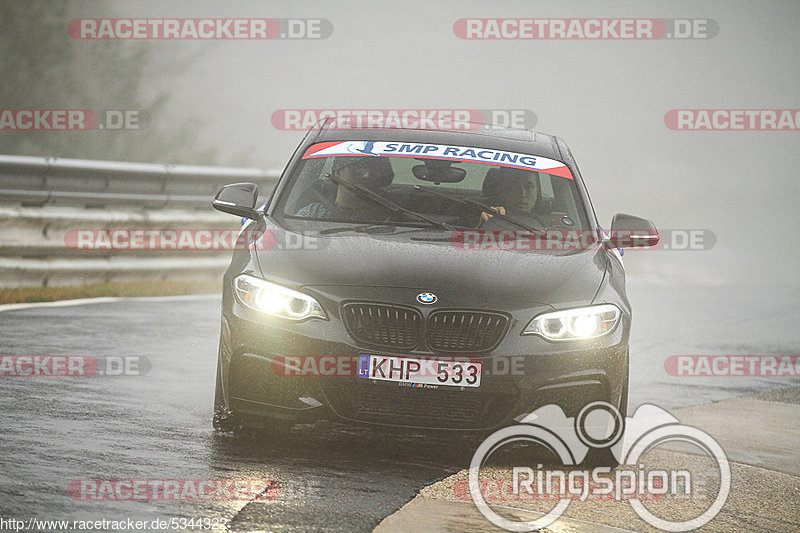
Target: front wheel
(604, 456)
(224, 419)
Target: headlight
(573, 324)
(276, 300)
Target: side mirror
(628, 231)
(237, 199)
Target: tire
(604, 456)
(623, 399)
(224, 419)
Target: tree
(42, 67)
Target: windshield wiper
(484, 207)
(366, 228)
(388, 204)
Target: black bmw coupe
(453, 279)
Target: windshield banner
(438, 151)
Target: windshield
(352, 183)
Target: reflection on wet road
(157, 425)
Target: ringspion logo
(584, 28)
(199, 28)
(600, 426)
(446, 119)
(575, 488)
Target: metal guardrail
(43, 198)
(40, 181)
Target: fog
(606, 98)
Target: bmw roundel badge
(426, 298)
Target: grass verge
(131, 288)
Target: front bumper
(521, 374)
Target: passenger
(512, 192)
(349, 204)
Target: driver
(514, 193)
(348, 204)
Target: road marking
(104, 299)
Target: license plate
(425, 371)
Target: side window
(306, 186)
(564, 198)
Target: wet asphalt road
(330, 477)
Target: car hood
(351, 266)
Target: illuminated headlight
(276, 300)
(573, 324)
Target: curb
(758, 433)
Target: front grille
(383, 325)
(384, 404)
(391, 404)
(465, 331)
